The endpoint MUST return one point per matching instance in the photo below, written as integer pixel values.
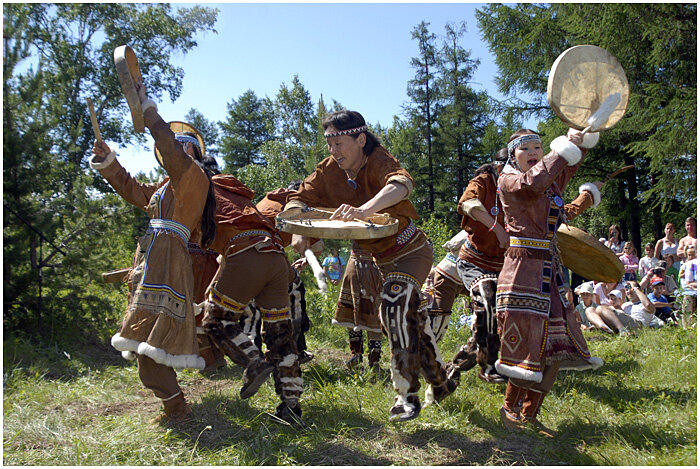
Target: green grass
(87, 407)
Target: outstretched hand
(141, 90)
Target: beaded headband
(515, 143)
(186, 138)
(356, 130)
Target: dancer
(539, 331)
(158, 328)
(359, 179)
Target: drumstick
(615, 173)
(93, 119)
(331, 213)
(317, 270)
(601, 116)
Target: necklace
(351, 179)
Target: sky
(358, 54)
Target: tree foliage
(656, 45)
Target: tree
(208, 129)
(423, 111)
(246, 128)
(53, 209)
(657, 46)
(463, 117)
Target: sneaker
(305, 357)
(254, 376)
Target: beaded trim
(450, 257)
(271, 315)
(404, 277)
(170, 225)
(225, 302)
(356, 130)
(529, 243)
(515, 143)
(249, 234)
(406, 235)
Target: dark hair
(210, 167)
(294, 185)
(501, 157)
(344, 120)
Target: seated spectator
(689, 286)
(638, 310)
(661, 303)
(667, 245)
(602, 292)
(591, 315)
(691, 239)
(614, 240)
(647, 262)
(630, 260)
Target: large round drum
(314, 223)
(580, 80)
(129, 73)
(588, 257)
(179, 127)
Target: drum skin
(580, 80)
(317, 225)
(588, 257)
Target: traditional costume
(404, 260)
(538, 327)
(447, 286)
(254, 267)
(158, 328)
(358, 306)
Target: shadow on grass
(260, 439)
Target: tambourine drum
(316, 224)
(116, 276)
(128, 73)
(181, 127)
(588, 257)
(580, 80)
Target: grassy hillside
(87, 407)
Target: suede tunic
(530, 281)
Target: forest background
(63, 225)
(70, 399)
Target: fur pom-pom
(595, 192)
(109, 159)
(567, 150)
(590, 139)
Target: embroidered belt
(531, 243)
(170, 225)
(407, 234)
(249, 234)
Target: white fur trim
(129, 355)
(288, 360)
(471, 205)
(567, 150)
(147, 104)
(590, 139)
(590, 187)
(159, 355)
(124, 345)
(429, 396)
(517, 372)
(109, 159)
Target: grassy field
(87, 407)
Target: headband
(356, 130)
(186, 138)
(515, 143)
